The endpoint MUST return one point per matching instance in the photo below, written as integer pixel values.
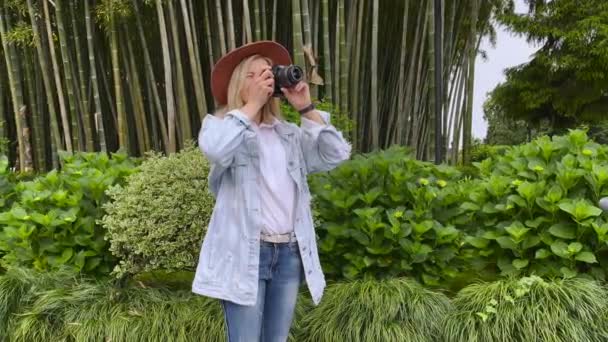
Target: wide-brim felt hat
(222, 71)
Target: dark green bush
(534, 209)
(529, 309)
(52, 220)
(158, 220)
(386, 214)
(370, 310)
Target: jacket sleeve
(323, 146)
(219, 138)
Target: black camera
(286, 76)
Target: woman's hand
(259, 90)
(298, 96)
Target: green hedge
(534, 209)
(531, 210)
(56, 306)
(386, 214)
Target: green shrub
(370, 310)
(157, 220)
(52, 220)
(534, 209)
(339, 119)
(529, 309)
(483, 151)
(385, 214)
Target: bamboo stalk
(326, 53)
(374, 75)
(197, 75)
(230, 19)
(58, 81)
(37, 131)
(246, 22)
(222, 35)
(69, 78)
(15, 88)
(171, 148)
(150, 77)
(298, 51)
(99, 126)
(183, 111)
(135, 93)
(57, 144)
(84, 101)
(343, 59)
(257, 27)
(123, 133)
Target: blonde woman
(260, 244)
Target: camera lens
(294, 73)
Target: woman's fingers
(266, 74)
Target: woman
(260, 244)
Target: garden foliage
(158, 219)
(531, 211)
(52, 220)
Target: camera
(286, 76)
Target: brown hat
(222, 71)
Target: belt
(279, 238)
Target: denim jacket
(229, 257)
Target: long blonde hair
(271, 109)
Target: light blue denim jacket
(229, 257)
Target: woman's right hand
(260, 89)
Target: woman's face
(256, 68)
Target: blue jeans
(269, 320)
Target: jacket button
(290, 163)
(309, 271)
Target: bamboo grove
(103, 75)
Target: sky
(509, 51)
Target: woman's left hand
(298, 96)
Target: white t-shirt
(277, 188)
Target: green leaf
(370, 196)
(560, 249)
(517, 200)
(536, 222)
(517, 230)
(587, 257)
(542, 254)
(469, 206)
(531, 241)
(574, 248)
(361, 237)
(477, 242)
(567, 272)
(520, 263)
(580, 209)
(563, 230)
(19, 213)
(423, 227)
(506, 242)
